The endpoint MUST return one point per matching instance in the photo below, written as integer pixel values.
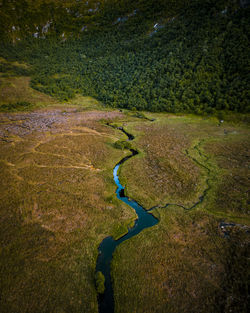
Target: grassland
(17, 95)
(188, 262)
(15, 88)
(57, 204)
(184, 264)
(179, 154)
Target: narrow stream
(144, 220)
(108, 245)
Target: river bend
(108, 245)
(144, 220)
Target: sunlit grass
(17, 89)
(57, 204)
(184, 263)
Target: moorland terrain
(175, 76)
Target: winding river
(108, 245)
(144, 220)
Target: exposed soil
(21, 124)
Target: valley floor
(58, 203)
(193, 174)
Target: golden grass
(185, 263)
(231, 195)
(175, 151)
(15, 89)
(165, 173)
(181, 265)
(57, 204)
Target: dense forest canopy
(175, 56)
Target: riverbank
(58, 203)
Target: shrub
(17, 106)
(99, 282)
(122, 145)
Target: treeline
(194, 61)
(7, 69)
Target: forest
(176, 56)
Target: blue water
(108, 245)
(144, 220)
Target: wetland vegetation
(58, 203)
(77, 80)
